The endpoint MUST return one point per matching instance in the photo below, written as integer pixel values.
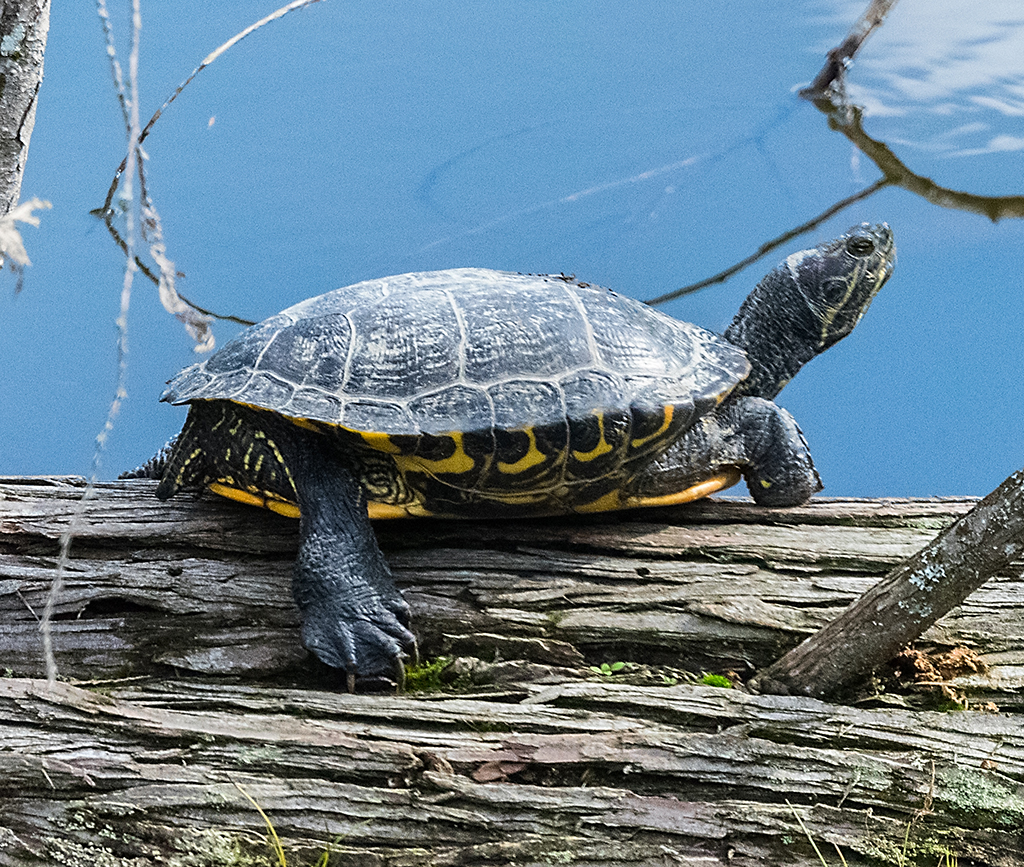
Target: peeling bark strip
(577, 771)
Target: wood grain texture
(542, 761)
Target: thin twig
(773, 244)
(839, 58)
(115, 65)
(130, 105)
(196, 319)
(147, 272)
(212, 56)
(196, 324)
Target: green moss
(206, 848)
(555, 618)
(426, 677)
(72, 854)
(908, 853)
(211, 848)
(719, 680)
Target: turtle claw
(368, 646)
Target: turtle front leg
(753, 434)
(353, 616)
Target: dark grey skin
(801, 308)
(353, 617)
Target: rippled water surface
(642, 146)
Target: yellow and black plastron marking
(718, 482)
(227, 488)
(532, 457)
(618, 499)
(388, 511)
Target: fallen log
(183, 610)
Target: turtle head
(808, 303)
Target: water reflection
(952, 73)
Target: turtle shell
(500, 384)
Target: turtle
(477, 393)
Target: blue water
(642, 147)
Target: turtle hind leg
(183, 463)
(193, 457)
(754, 435)
(155, 467)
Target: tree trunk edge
(23, 32)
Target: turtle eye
(859, 246)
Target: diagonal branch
(773, 244)
(908, 600)
(828, 94)
(840, 57)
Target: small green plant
(719, 680)
(608, 669)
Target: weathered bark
(593, 773)
(203, 586)
(911, 598)
(541, 766)
(24, 25)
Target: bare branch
(847, 119)
(908, 600)
(196, 319)
(839, 58)
(773, 244)
(828, 95)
